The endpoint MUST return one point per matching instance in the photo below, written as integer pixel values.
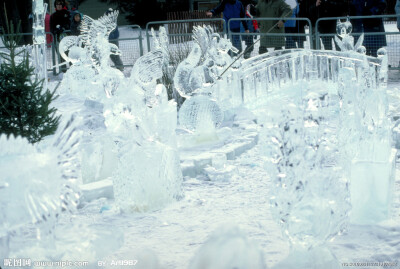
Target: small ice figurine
(346, 43)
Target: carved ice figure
(142, 123)
(343, 30)
(39, 40)
(370, 157)
(38, 183)
(228, 247)
(91, 70)
(309, 194)
(209, 57)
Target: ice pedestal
(148, 177)
(98, 159)
(371, 189)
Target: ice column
(39, 40)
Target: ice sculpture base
(371, 190)
(316, 258)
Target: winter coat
(74, 27)
(251, 24)
(61, 18)
(231, 9)
(272, 9)
(49, 38)
(327, 8)
(370, 8)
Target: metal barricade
(372, 40)
(130, 44)
(180, 33)
(291, 40)
(50, 50)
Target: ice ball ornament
(343, 28)
(362, 50)
(381, 52)
(200, 112)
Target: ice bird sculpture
(37, 184)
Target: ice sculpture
(228, 247)
(195, 79)
(346, 43)
(142, 123)
(309, 194)
(88, 79)
(39, 40)
(37, 184)
(326, 126)
(90, 52)
(370, 156)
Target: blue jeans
(236, 41)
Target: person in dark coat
(76, 20)
(231, 9)
(60, 19)
(60, 22)
(370, 25)
(327, 8)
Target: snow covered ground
(174, 234)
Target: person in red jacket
(49, 38)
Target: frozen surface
(237, 192)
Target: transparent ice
(196, 78)
(37, 184)
(325, 109)
(39, 40)
(228, 247)
(142, 123)
(91, 63)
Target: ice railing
(261, 74)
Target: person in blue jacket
(231, 9)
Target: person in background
(113, 38)
(295, 27)
(76, 20)
(327, 8)
(231, 9)
(252, 25)
(59, 23)
(272, 9)
(371, 25)
(60, 19)
(49, 37)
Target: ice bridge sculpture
(327, 140)
(204, 107)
